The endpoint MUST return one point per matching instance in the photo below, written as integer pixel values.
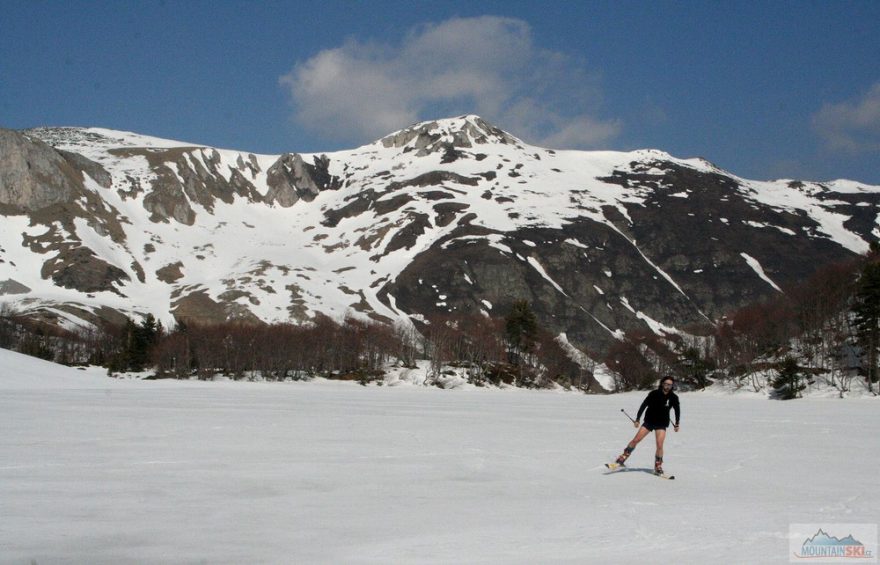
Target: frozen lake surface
(96, 470)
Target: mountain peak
(460, 132)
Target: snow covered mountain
(452, 216)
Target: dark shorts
(652, 426)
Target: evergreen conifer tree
(521, 330)
(787, 384)
(866, 308)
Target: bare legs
(659, 436)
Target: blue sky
(764, 89)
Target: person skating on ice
(656, 407)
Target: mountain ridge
(444, 217)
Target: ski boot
(627, 451)
(658, 465)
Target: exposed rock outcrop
(291, 179)
(80, 269)
(428, 137)
(33, 175)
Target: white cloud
(581, 131)
(486, 65)
(852, 126)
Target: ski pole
(627, 415)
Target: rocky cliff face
(291, 179)
(445, 217)
(34, 176)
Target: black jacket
(658, 405)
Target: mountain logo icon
(824, 545)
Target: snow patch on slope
(759, 270)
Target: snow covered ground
(97, 470)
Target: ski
(618, 467)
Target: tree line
(513, 350)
